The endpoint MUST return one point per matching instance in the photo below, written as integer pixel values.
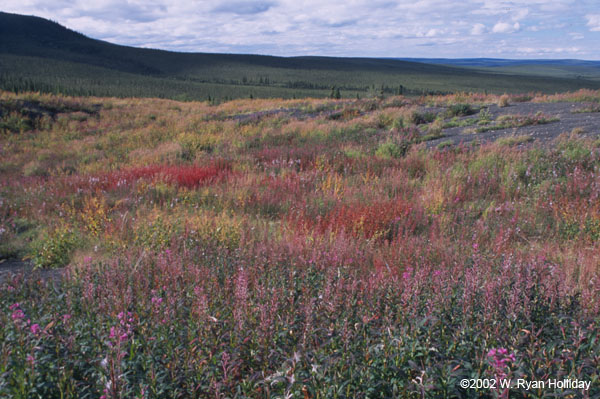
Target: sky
(361, 28)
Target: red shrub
(189, 176)
(383, 220)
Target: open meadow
(307, 248)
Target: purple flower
(18, 315)
(31, 360)
(156, 301)
(498, 359)
(35, 329)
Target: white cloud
(504, 27)
(434, 32)
(519, 14)
(593, 22)
(540, 51)
(576, 36)
(390, 28)
(478, 29)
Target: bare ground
(10, 268)
(588, 122)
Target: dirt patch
(569, 117)
(8, 268)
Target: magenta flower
(156, 301)
(35, 329)
(499, 359)
(14, 306)
(18, 315)
(122, 331)
(113, 333)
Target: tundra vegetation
(312, 248)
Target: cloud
(519, 14)
(593, 22)
(434, 32)
(576, 36)
(504, 27)
(478, 29)
(539, 51)
(335, 24)
(388, 28)
(244, 7)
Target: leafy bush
(392, 149)
(419, 118)
(54, 249)
(445, 144)
(460, 110)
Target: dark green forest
(40, 55)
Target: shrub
(485, 116)
(54, 249)
(418, 118)
(445, 144)
(460, 110)
(514, 140)
(435, 129)
(391, 149)
(503, 101)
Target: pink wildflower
(18, 315)
(35, 329)
(499, 359)
(113, 333)
(156, 301)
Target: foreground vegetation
(291, 248)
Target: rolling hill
(559, 68)
(41, 55)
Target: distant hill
(562, 68)
(501, 62)
(38, 54)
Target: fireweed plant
(265, 249)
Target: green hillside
(37, 54)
